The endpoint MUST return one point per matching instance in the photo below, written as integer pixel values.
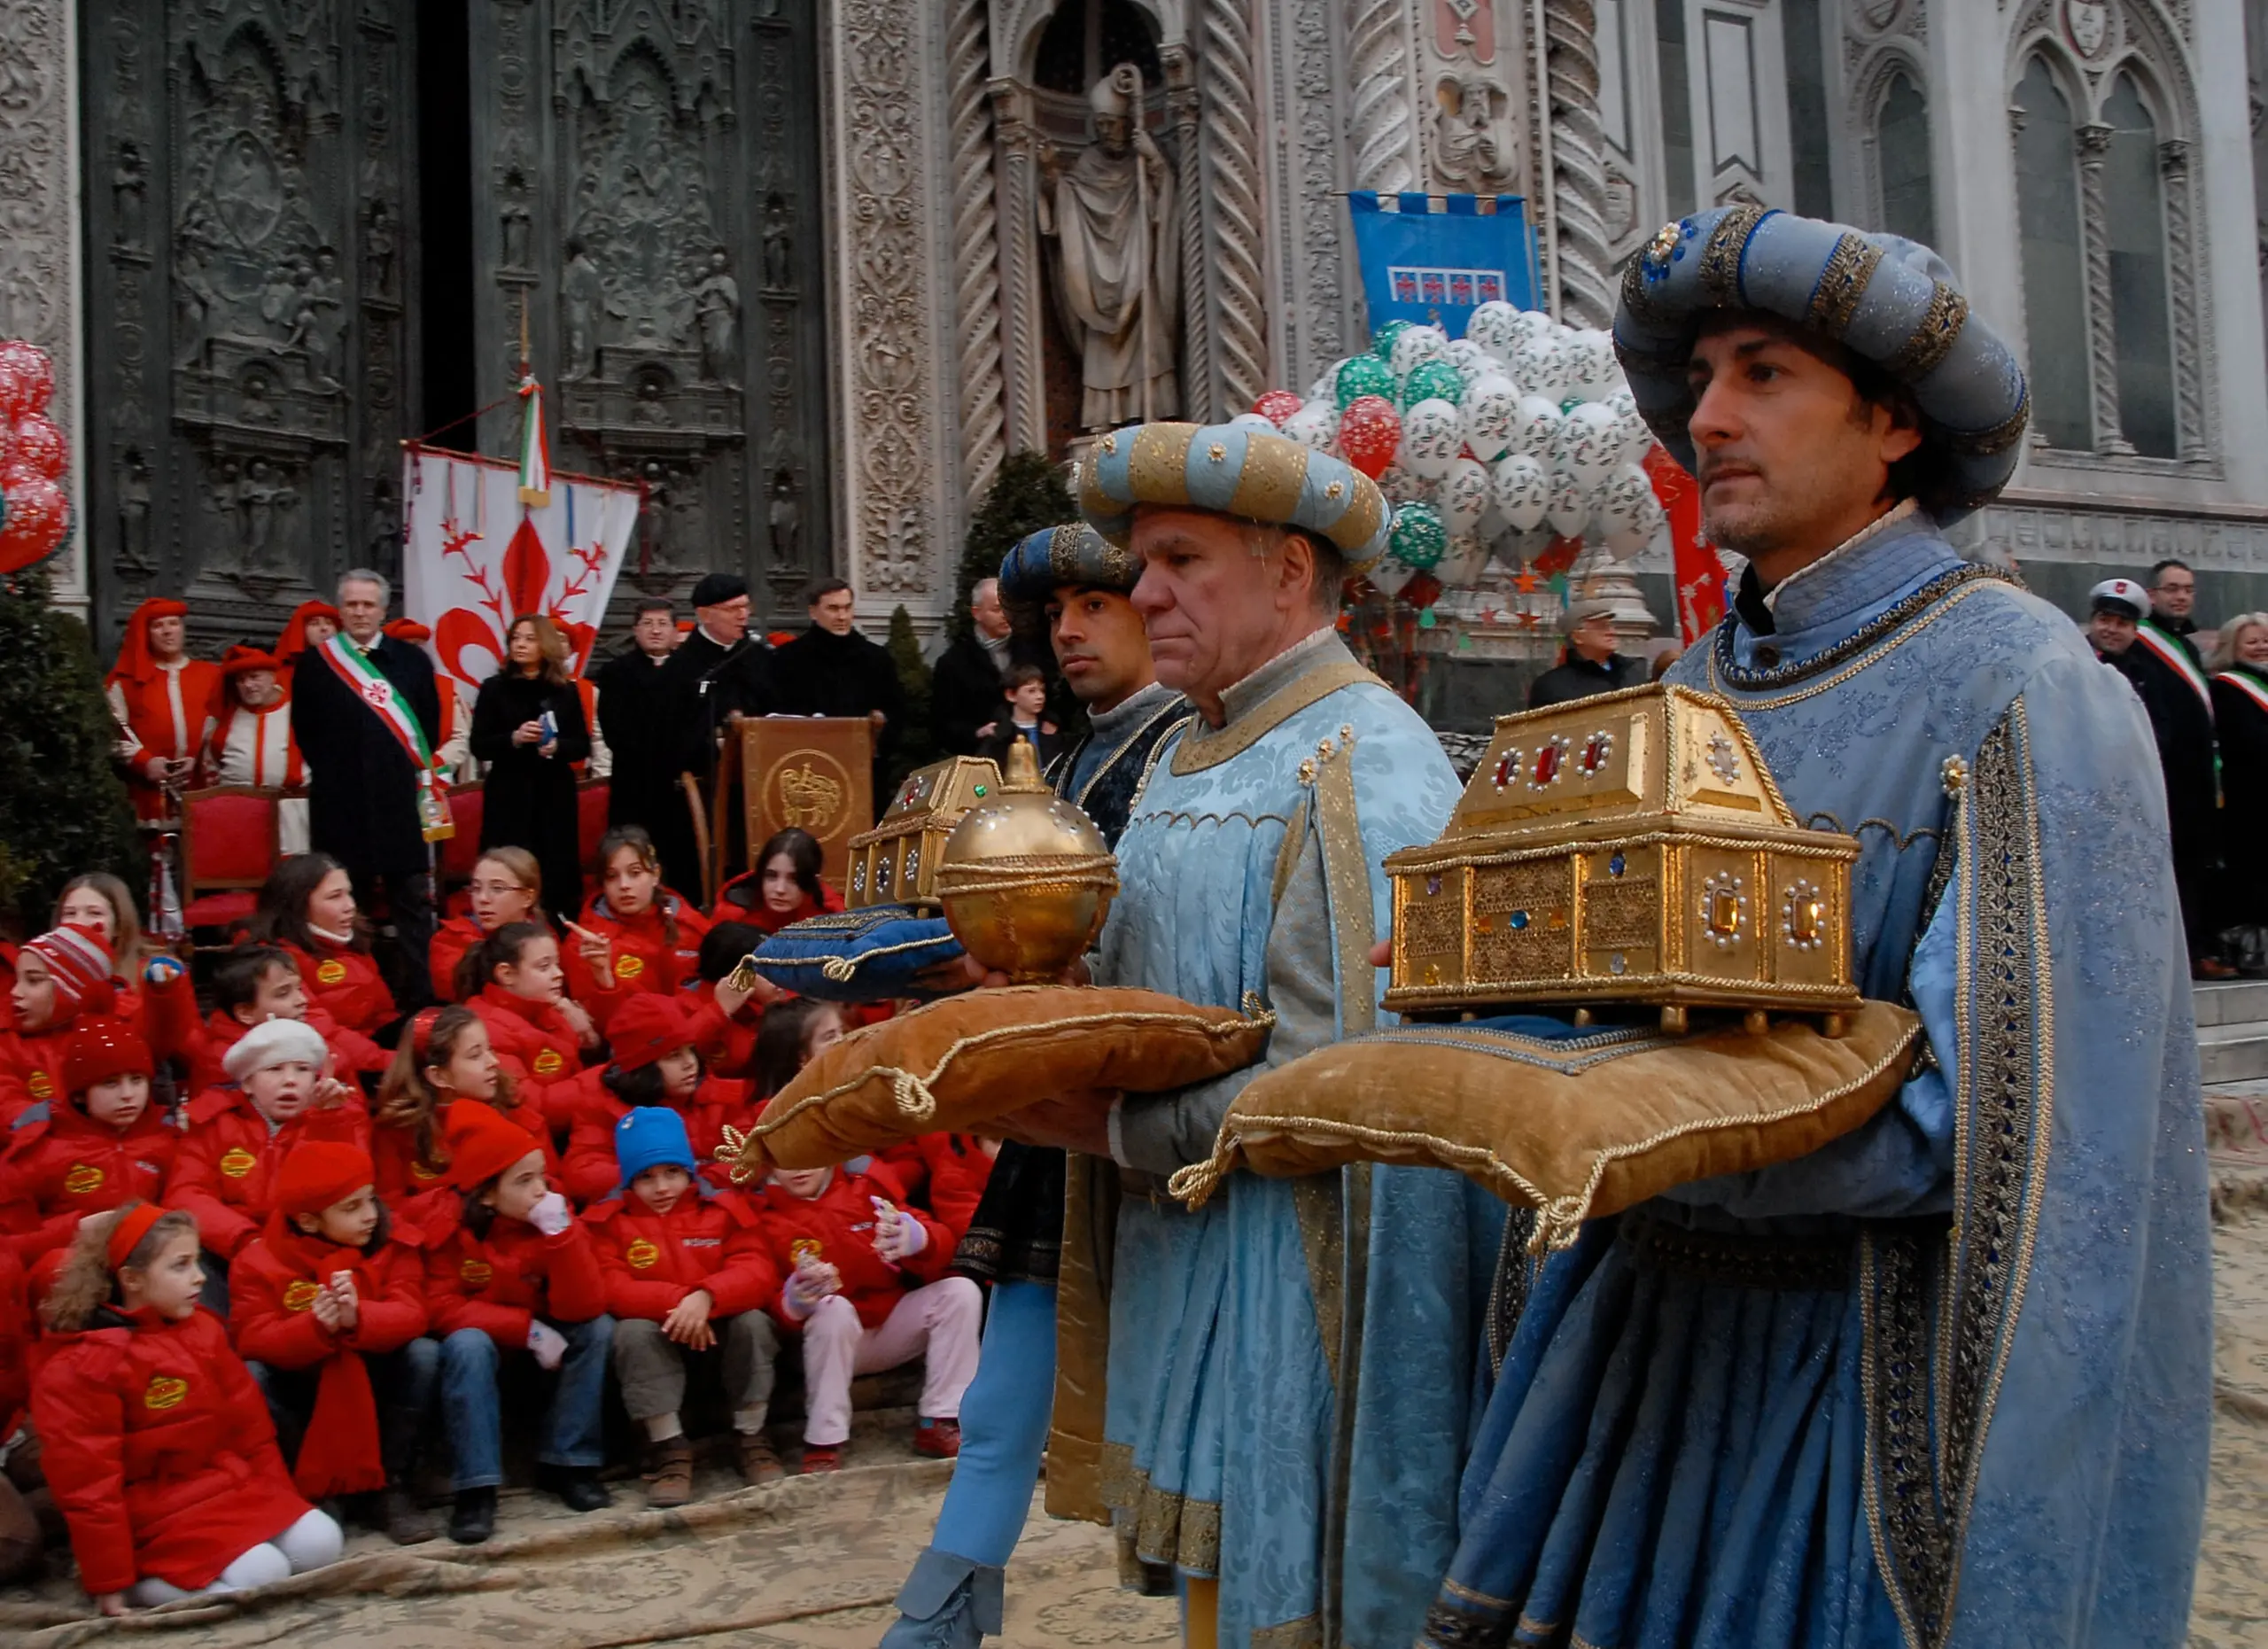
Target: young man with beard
(1073, 582)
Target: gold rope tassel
(1201, 1614)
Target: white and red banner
(474, 557)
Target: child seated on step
(513, 979)
(654, 1063)
(306, 905)
(445, 1057)
(102, 1147)
(253, 984)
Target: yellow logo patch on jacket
(299, 1295)
(237, 1162)
(40, 1085)
(418, 1170)
(806, 1249)
(548, 1062)
(331, 972)
(628, 967)
(475, 1272)
(641, 1255)
(166, 1391)
(84, 1179)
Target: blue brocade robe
(1251, 864)
(1947, 1379)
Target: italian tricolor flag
(535, 452)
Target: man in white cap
(1592, 666)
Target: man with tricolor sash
(364, 710)
(2179, 700)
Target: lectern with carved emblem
(812, 772)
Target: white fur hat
(276, 1042)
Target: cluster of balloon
(1520, 426)
(35, 514)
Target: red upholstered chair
(227, 849)
(462, 852)
(590, 822)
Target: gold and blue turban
(1037, 565)
(1251, 474)
(1889, 301)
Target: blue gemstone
(1519, 919)
(1614, 866)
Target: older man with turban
(1947, 1379)
(1289, 1367)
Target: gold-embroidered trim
(1998, 438)
(1933, 335)
(1178, 708)
(1842, 282)
(1891, 644)
(1899, 839)
(1720, 258)
(1169, 1529)
(1203, 747)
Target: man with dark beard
(831, 670)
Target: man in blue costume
(1947, 1380)
(1071, 584)
(1291, 1368)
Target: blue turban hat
(1255, 475)
(1889, 301)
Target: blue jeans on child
(574, 1426)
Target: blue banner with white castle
(1432, 259)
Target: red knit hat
(319, 1172)
(134, 661)
(647, 1028)
(293, 641)
(102, 1047)
(409, 630)
(483, 1143)
(79, 959)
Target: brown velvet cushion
(954, 1066)
(1574, 1129)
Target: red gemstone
(1508, 769)
(1595, 754)
(1547, 763)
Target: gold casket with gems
(896, 862)
(1626, 849)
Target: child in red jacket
(688, 1272)
(158, 1449)
(278, 1094)
(106, 1147)
(868, 1285)
(506, 887)
(513, 981)
(53, 979)
(253, 984)
(654, 1063)
(307, 906)
(635, 935)
(445, 1057)
(328, 1311)
(508, 1268)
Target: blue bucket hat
(1889, 301)
(650, 1136)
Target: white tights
(309, 1544)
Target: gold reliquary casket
(896, 862)
(1626, 849)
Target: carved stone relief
(1473, 146)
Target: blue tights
(1003, 1427)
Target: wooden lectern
(813, 772)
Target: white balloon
(1590, 442)
(1463, 563)
(1401, 486)
(1491, 404)
(1623, 495)
(1570, 509)
(1253, 420)
(1495, 327)
(1316, 425)
(1320, 390)
(1624, 539)
(1522, 488)
(1390, 573)
(1536, 426)
(1526, 323)
(1432, 434)
(1463, 494)
(1635, 435)
(1541, 367)
(1471, 359)
(1415, 345)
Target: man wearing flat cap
(1592, 666)
(1948, 1379)
(1289, 1368)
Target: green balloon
(1360, 376)
(1382, 340)
(1436, 380)
(1419, 539)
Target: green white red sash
(385, 701)
(2250, 686)
(2170, 651)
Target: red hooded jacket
(158, 1451)
(345, 983)
(839, 1222)
(591, 1171)
(502, 1282)
(225, 1170)
(652, 1261)
(62, 1166)
(645, 959)
(538, 1049)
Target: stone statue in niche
(195, 302)
(134, 516)
(785, 516)
(779, 245)
(260, 495)
(130, 183)
(1471, 147)
(378, 250)
(517, 222)
(1117, 259)
(319, 320)
(717, 312)
(584, 291)
(385, 537)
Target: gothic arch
(1885, 61)
(1021, 22)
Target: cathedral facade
(810, 270)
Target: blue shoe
(948, 1602)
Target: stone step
(2232, 1052)
(2233, 1002)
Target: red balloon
(37, 452)
(1278, 405)
(38, 516)
(15, 390)
(1370, 432)
(37, 374)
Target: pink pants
(938, 1323)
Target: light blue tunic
(1949, 1379)
(1226, 1449)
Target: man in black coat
(636, 717)
(965, 687)
(831, 670)
(1593, 666)
(362, 785)
(719, 674)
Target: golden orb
(1026, 879)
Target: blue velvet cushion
(868, 955)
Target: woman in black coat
(529, 800)
(2240, 667)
